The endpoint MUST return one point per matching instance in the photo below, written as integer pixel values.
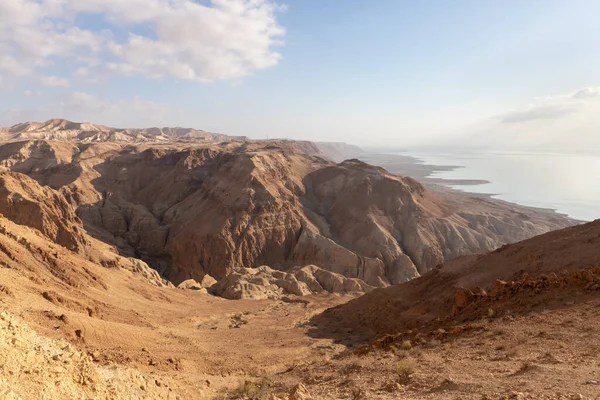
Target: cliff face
(191, 210)
(25, 202)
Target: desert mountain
(88, 322)
(191, 209)
(61, 129)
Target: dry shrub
(405, 370)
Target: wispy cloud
(541, 111)
(53, 81)
(227, 39)
(560, 122)
(553, 107)
(82, 106)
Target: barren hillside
(89, 322)
(195, 209)
(95, 233)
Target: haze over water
(568, 183)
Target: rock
(265, 282)
(462, 298)
(25, 202)
(143, 270)
(392, 387)
(299, 392)
(207, 281)
(189, 284)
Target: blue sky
(367, 72)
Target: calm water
(568, 183)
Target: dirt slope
(435, 295)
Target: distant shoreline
(416, 168)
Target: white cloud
(563, 122)
(538, 111)
(553, 107)
(587, 93)
(31, 93)
(227, 40)
(81, 72)
(53, 81)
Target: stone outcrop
(35, 366)
(267, 283)
(191, 284)
(25, 202)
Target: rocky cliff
(25, 202)
(207, 208)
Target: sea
(567, 183)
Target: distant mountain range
(85, 132)
(62, 129)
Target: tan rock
(264, 283)
(299, 392)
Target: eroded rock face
(25, 202)
(189, 209)
(191, 284)
(267, 283)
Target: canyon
(176, 263)
(196, 207)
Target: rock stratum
(209, 207)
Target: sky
(380, 72)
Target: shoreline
(416, 168)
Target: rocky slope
(195, 209)
(61, 129)
(266, 283)
(39, 367)
(553, 267)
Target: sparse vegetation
(405, 370)
(353, 367)
(237, 321)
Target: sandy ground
(186, 341)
